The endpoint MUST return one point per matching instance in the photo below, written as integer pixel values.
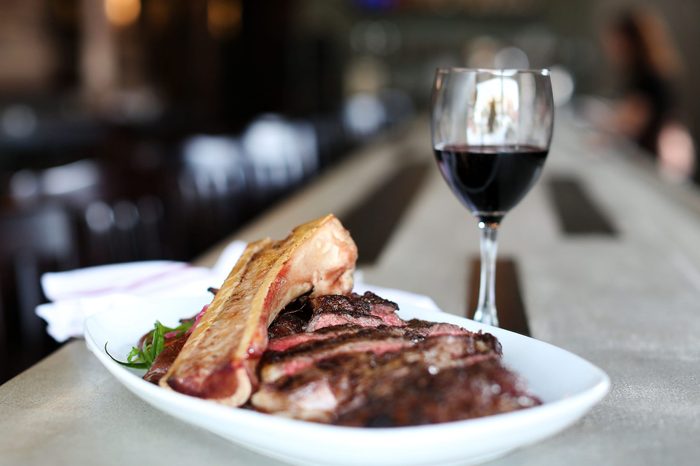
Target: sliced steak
(378, 340)
(334, 319)
(332, 386)
(368, 310)
(286, 325)
(292, 320)
(421, 328)
(290, 341)
(426, 397)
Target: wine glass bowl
(491, 131)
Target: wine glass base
(487, 317)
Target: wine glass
(491, 131)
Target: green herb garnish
(153, 344)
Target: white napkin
(77, 294)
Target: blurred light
(562, 85)
(676, 153)
(511, 58)
(284, 150)
(24, 184)
(99, 217)
(267, 140)
(364, 114)
(214, 161)
(69, 178)
(122, 12)
(224, 17)
(211, 153)
(18, 121)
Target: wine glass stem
(486, 309)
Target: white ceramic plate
(568, 385)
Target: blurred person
(639, 46)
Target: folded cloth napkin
(77, 294)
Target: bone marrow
(219, 359)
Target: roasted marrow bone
(219, 359)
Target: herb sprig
(153, 343)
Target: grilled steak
(219, 359)
(334, 386)
(310, 319)
(377, 340)
(359, 364)
(422, 327)
(427, 395)
(292, 320)
(368, 310)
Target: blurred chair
(281, 154)
(213, 191)
(122, 230)
(71, 184)
(114, 217)
(34, 241)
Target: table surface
(628, 303)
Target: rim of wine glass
(459, 69)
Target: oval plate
(567, 384)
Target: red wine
(490, 180)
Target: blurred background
(149, 129)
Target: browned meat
(434, 329)
(292, 320)
(333, 386)
(452, 394)
(420, 327)
(219, 359)
(334, 319)
(368, 310)
(377, 340)
(165, 359)
(286, 325)
(290, 341)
